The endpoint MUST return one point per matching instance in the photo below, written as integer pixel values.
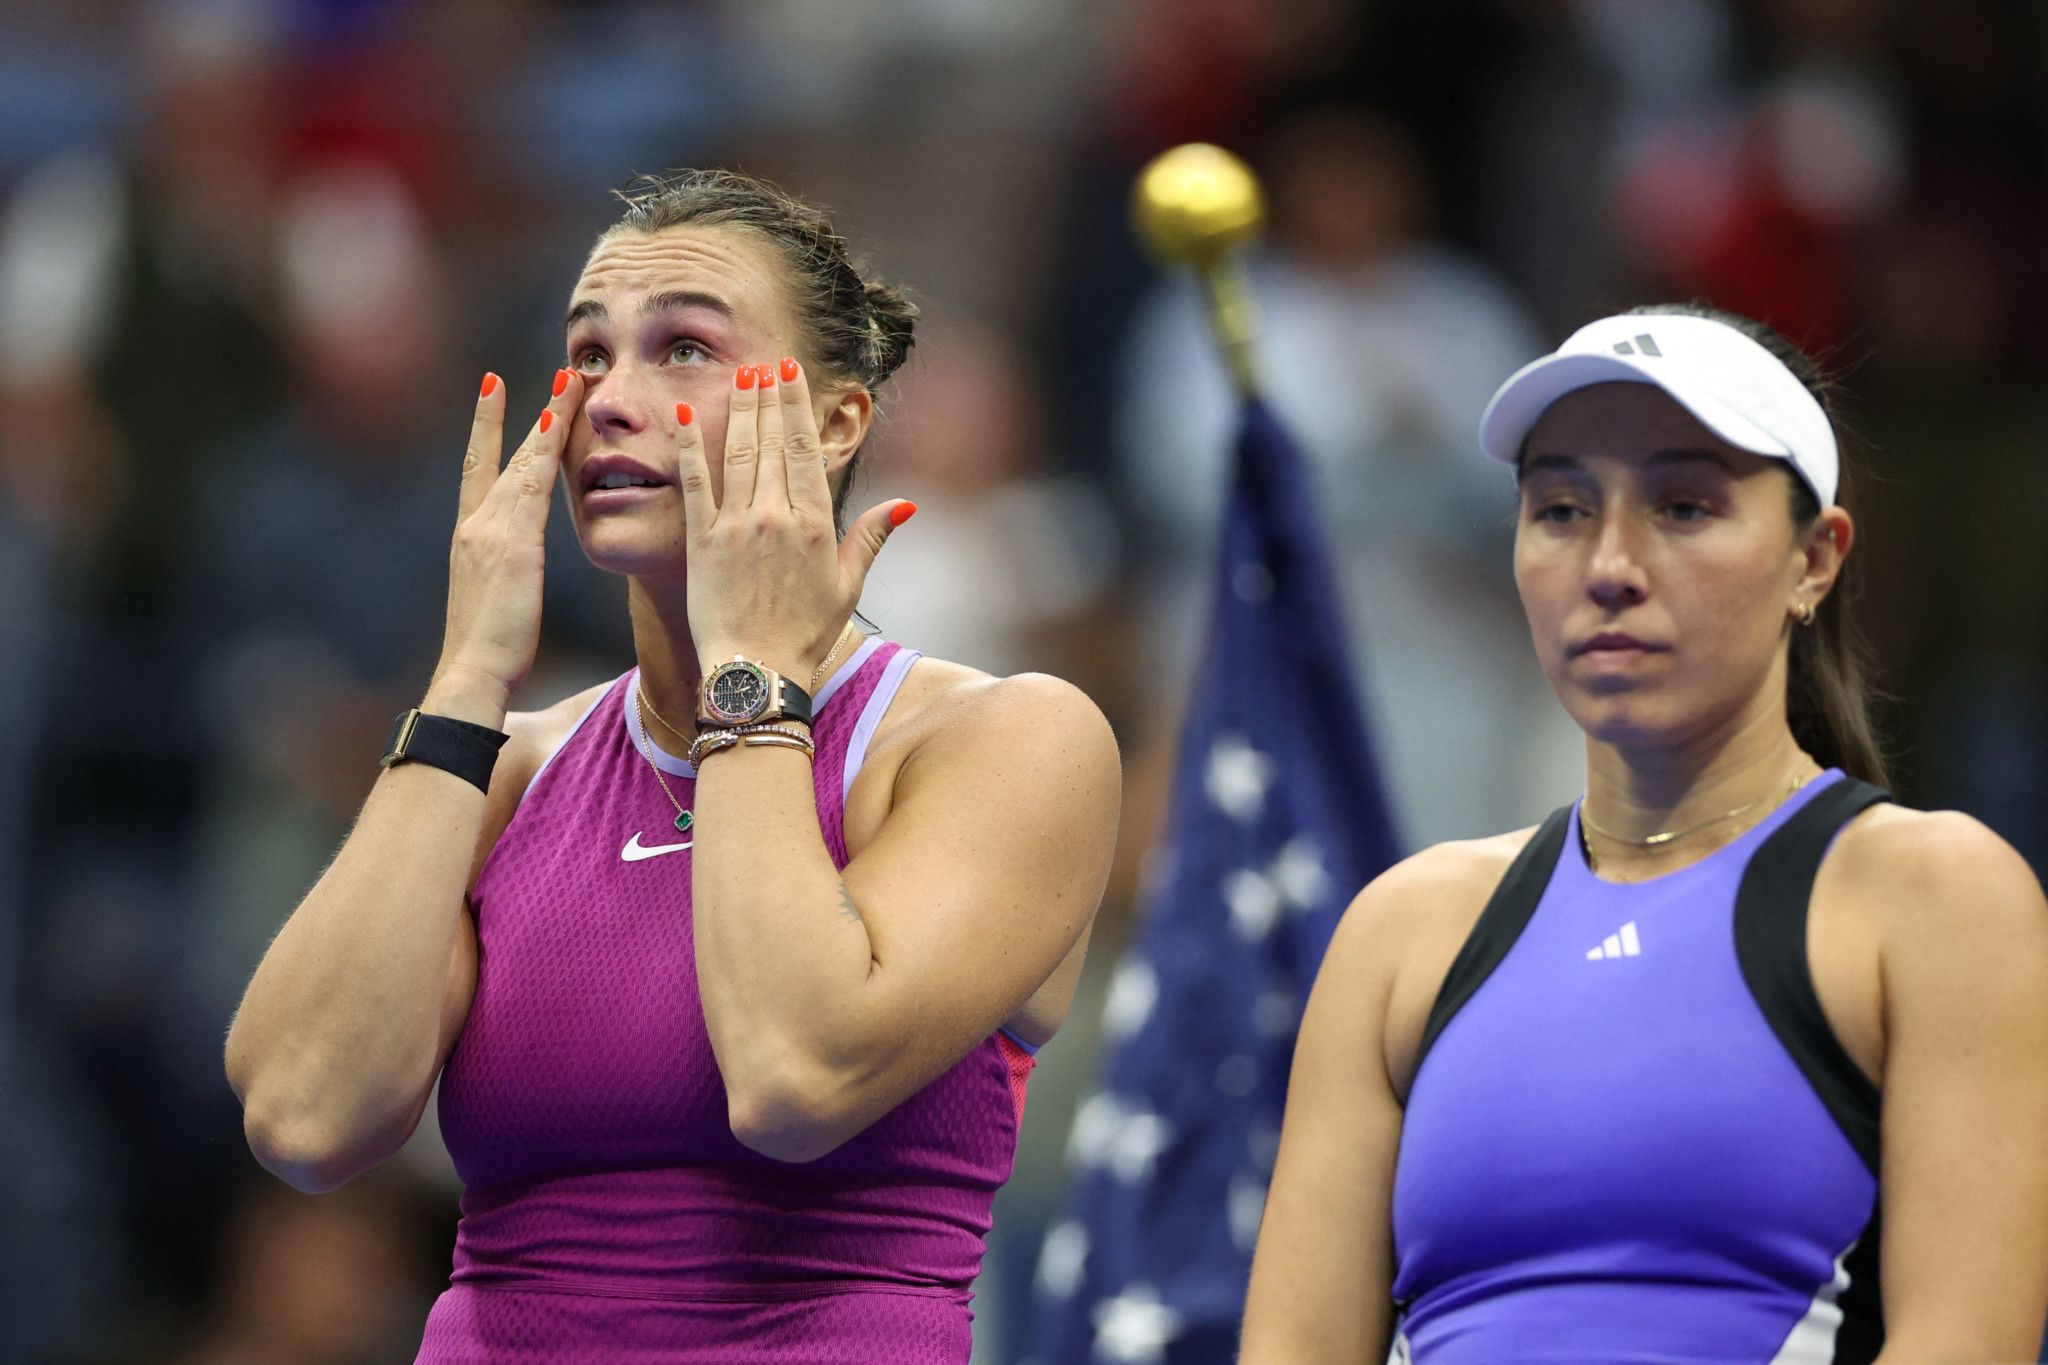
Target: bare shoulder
(1458, 865)
(1929, 874)
(535, 734)
(1032, 736)
(1430, 894)
(1401, 933)
(945, 705)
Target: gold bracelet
(776, 741)
(779, 742)
(787, 728)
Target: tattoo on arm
(846, 906)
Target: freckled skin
(634, 378)
(1700, 559)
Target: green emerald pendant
(683, 822)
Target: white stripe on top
(871, 715)
(1812, 1339)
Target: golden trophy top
(1195, 203)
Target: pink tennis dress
(608, 1213)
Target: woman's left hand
(768, 578)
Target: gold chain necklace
(647, 709)
(830, 655)
(1668, 835)
(683, 817)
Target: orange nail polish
(745, 378)
(561, 382)
(547, 418)
(490, 385)
(685, 414)
(789, 369)
(904, 512)
(767, 376)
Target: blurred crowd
(255, 253)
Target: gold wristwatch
(743, 692)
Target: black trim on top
(1861, 1335)
(1770, 944)
(1499, 925)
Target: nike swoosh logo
(634, 850)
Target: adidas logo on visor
(1644, 343)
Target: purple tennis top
(608, 1214)
(1632, 1135)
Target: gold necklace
(830, 655)
(1668, 835)
(683, 817)
(647, 709)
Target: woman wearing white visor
(1730, 1060)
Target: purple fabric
(608, 1212)
(1616, 1160)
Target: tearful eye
(685, 350)
(589, 360)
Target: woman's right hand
(495, 565)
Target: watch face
(736, 693)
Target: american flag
(1277, 819)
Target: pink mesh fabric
(1020, 1063)
(608, 1213)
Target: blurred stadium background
(253, 256)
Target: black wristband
(454, 746)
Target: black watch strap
(796, 704)
(454, 746)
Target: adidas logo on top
(1623, 942)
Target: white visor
(1736, 388)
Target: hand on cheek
(769, 579)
